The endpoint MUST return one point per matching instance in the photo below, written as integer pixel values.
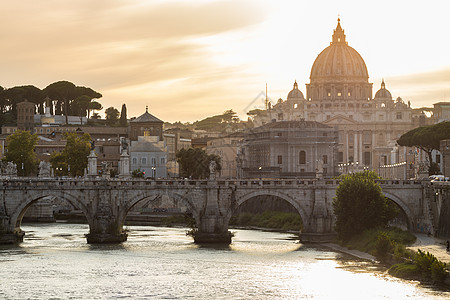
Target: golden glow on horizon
(187, 60)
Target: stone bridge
(106, 203)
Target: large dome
(339, 62)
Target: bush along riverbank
(389, 247)
(282, 221)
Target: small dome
(295, 94)
(383, 92)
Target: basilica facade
(340, 95)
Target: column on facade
(360, 147)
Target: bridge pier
(11, 237)
(212, 226)
(106, 230)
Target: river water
(54, 262)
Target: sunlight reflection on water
(160, 262)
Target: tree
(360, 205)
(20, 150)
(74, 155)
(123, 116)
(112, 115)
(194, 163)
(65, 93)
(426, 138)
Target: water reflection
(160, 262)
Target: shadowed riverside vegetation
(363, 214)
(284, 221)
(269, 219)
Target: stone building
(25, 115)
(227, 148)
(145, 125)
(149, 154)
(340, 94)
(289, 149)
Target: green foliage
(217, 122)
(137, 173)
(367, 240)
(430, 267)
(20, 150)
(404, 270)
(59, 163)
(194, 163)
(112, 115)
(360, 205)
(383, 247)
(123, 116)
(269, 219)
(74, 155)
(426, 138)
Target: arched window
(302, 157)
(134, 160)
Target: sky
(187, 60)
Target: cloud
(422, 89)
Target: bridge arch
(136, 198)
(34, 196)
(397, 200)
(274, 193)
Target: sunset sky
(188, 60)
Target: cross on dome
(338, 34)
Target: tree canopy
(74, 155)
(360, 205)
(426, 138)
(20, 150)
(218, 122)
(194, 163)
(63, 93)
(112, 115)
(123, 116)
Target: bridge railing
(91, 182)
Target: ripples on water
(54, 261)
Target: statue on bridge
(11, 169)
(212, 170)
(44, 169)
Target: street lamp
(153, 172)
(260, 173)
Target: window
(325, 159)
(399, 116)
(349, 94)
(339, 94)
(302, 157)
(153, 161)
(381, 117)
(350, 159)
(280, 116)
(366, 158)
(329, 93)
(163, 161)
(134, 160)
(367, 137)
(144, 160)
(340, 156)
(280, 159)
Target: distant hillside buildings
(337, 128)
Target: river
(54, 262)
